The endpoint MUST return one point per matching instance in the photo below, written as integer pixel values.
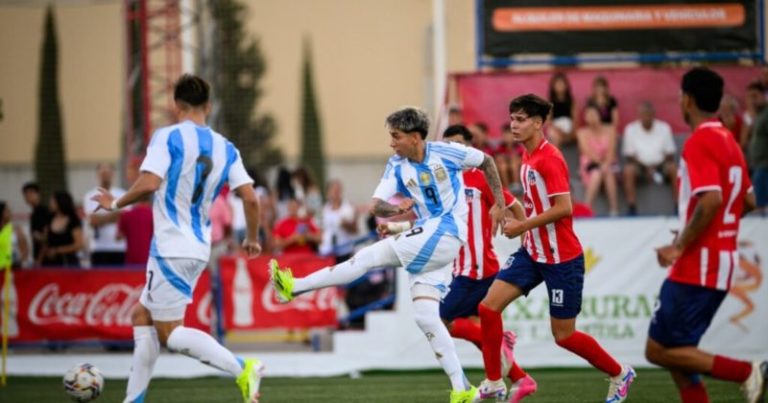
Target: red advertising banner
(484, 97)
(249, 300)
(79, 305)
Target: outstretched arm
(145, 185)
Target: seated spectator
(19, 245)
(307, 191)
(39, 218)
(135, 227)
(563, 111)
(480, 140)
(597, 148)
(339, 224)
(649, 152)
(729, 115)
(63, 234)
(508, 158)
(754, 102)
(604, 102)
(296, 233)
(284, 191)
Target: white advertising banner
(621, 284)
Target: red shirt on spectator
(289, 226)
(135, 225)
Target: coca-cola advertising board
(79, 305)
(249, 300)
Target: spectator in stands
(284, 192)
(563, 110)
(19, 245)
(597, 146)
(606, 105)
(221, 225)
(339, 224)
(480, 140)
(758, 158)
(38, 219)
(307, 191)
(135, 227)
(730, 116)
(508, 158)
(454, 115)
(296, 233)
(649, 152)
(63, 234)
(754, 102)
(105, 248)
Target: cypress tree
(312, 155)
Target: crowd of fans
(643, 151)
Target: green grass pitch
(555, 385)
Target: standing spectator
(284, 192)
(19, 245)
(597, 146)
(339, 224)
(480, 140)
(758, 157)
(105, 248)
(604, 102)
(307, 191)
(563, 110)
(649, 152)
(508, 158)
(296, 233)
(135, 226)
(754, 102)
(729, 115)
(63, 234)
(454, 115)
(39, 217)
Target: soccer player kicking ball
(474, 271)
(715, 191)
(185, 167)
(551, 253)
(429, 175)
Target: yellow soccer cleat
(470, 395)
(282, 280)
(249, 380)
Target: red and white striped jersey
(711, 160)
(544, 174)
(477, 258)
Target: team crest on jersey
(425, 178)
(469, 193)
(440, 174)
(531, 177)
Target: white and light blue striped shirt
(436, 184)
(194, 162)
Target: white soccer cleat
(754, 387)
(618, 390)
(492, 390)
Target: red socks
(468, 330)
(694, 393)
(588, 348)
(729, 369)
(491, 327)
(516, 373)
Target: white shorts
(169, 286)
(427, 252)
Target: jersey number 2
(734, 177)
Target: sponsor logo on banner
(109, 305)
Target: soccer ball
(83, 383)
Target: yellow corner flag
(6, 253)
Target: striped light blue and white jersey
(194, 162)
(436, 184)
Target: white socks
(380, 254)
(427, 315)
(206, 349)
(145, 352)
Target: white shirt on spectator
(650, 148)
(103, 238)
(333, 234)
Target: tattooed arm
(492, 176)
(383, 209)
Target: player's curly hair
(409, 119)
(532, 105)
(191, 90)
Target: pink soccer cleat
(526, 386)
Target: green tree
(239, 67)
(312, 155)
(50, 165)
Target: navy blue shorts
(463, 298)
(683, 313)
(565, 281)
